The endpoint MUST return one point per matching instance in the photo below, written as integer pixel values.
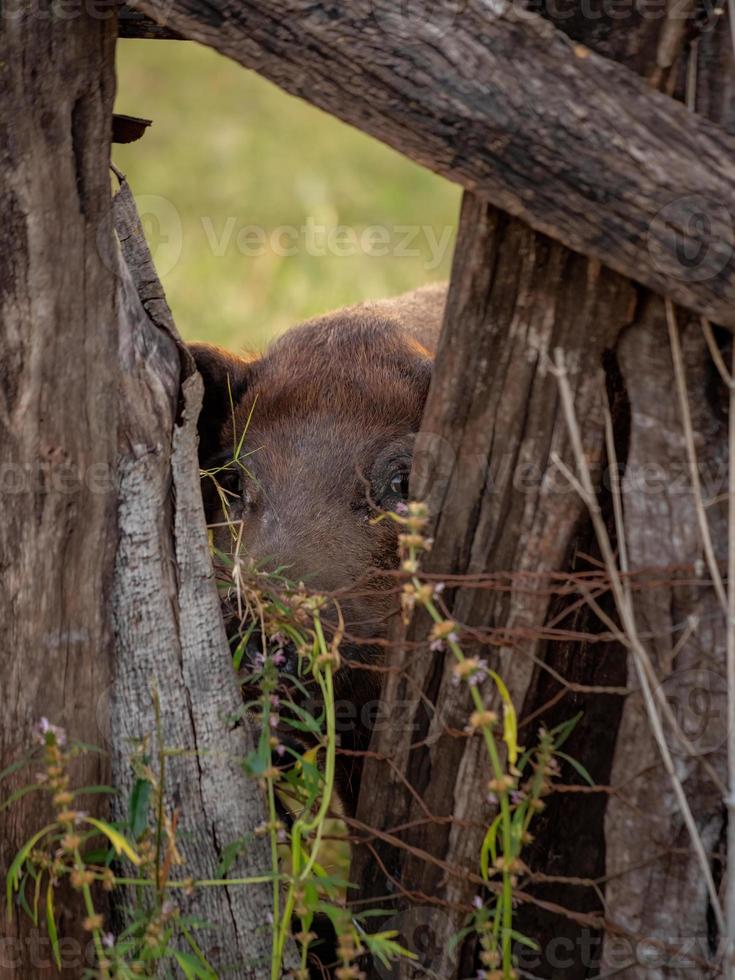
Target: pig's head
(324, 424)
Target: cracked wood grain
(481, 464)
(647, 909)
(168, 625)
(58, 352)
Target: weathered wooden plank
(484, 423)
(58, 351)
(499, 100)
(169, 632)
(133, 24)
(489, 427)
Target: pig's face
(323, 426)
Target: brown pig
(330, 413)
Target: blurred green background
(229, 160)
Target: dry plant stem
(686, 421)
(633, 643)
(641, 659)
(728, 378)
(715, 352)
(730, 888)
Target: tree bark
(661, 916)
(496, 99)
(132, 23)
(170, 639)
(58, 335)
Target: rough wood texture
(58, 344)
(656, 930)
(661, 922)
(661, 925)
(498, 100)
(131, 24)
(168, 625)
(490, 424)
(657, 901)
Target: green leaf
(18, 795)
(308, 727)
(138, 807)
(383, 946)
(115, 838)
(98, 855)
(562, 732)
(489, 846)
(459, 937)
(51, 924)
(510, 721)
(230, 854)
(20, 764)
(242, 645)
(577, 766)
(12, 881)
(524, 940)
(86, 747)
(36, 894)
(23, 901)
(310, 723)
(199, 960)
(191, 967)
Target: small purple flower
(479, 674)
(492, 798)
(517, 796)
(477, 902)
(438, 589)
(280, 750)
(108, 940)
(438, 646)
(275, 701)
(274, 721)
(282, 836)
(401, 508)
(168, 908)
(44, 728)
(279, 659)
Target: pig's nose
(251, 649)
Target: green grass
(227, 146)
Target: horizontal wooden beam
(500, 101)
(133, 23)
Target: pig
(330, 414)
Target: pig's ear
(225, 379)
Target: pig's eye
(398, 484)
(389, 474)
